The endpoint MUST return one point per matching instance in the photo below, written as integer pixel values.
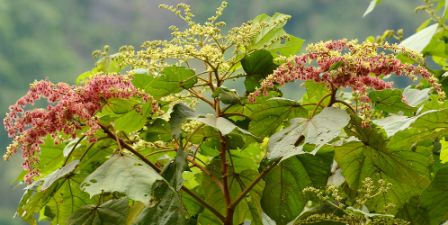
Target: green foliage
(257, 66)
(391, 101)
(318, 131)
(127, 175)
(204, 154)
(269, 115)
(272, 31)
(110, 212)
(281, 201)
(172, 80)
(431, 198)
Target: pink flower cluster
(344, 64)
(69, 109)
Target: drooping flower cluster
(347, 64)
(69, 109)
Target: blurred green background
(54, 39)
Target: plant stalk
(225, 181)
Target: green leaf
(247, 108)
(227, 96)
(173, 171)
(179, 114)
(57, 201)
(257, 66)
(130, 122)
(51, 156)
(127, 175)
(66, 198)
(121, 106)
(283, 199)
(251, 83)
(421, 39)
(208, 138)
(159, 130)
(86, 75)
(406, 169)
(395, 123)
(248, 158)
(315, 92)
(222, 124)
(410, 137)
(433, 103)
(428, 126)
(432, 120)
(110, 212)
(434, 198)
(184, 77)
(94, 155)
(444, 151)
(445, 7)
(172, 80)
(290, 46)
(423, 25)
(167, 211)
(134, 211)
(415, 97)
(391, 101)
(108, 64)
(269, 115)
(72, 145)
(371, 6)
(437, 47)
(31, 202)
(270, 37)
(61, 172)
(318, 131)
(192, 207)
(413, 212)
(259, 62)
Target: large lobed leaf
(430, 125)
(270, 114)
(393, 124)
(57, 202)
(319, 130)
(421, 39)
(408, 171)
(283, 199)
(110, 212)
(172, 80)
(391, 101)
(127, 175)
(434, 199)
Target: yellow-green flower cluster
(204, 42)
(370, 189)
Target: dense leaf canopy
(153, 135)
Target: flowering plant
(145, 137)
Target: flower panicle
(69, 108)
(348, 64)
